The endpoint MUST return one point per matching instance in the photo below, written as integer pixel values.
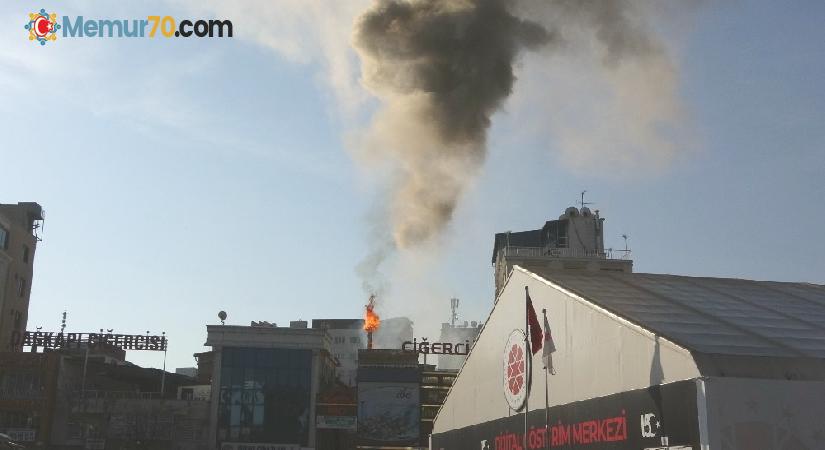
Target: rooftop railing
(91, 394)
(563, 253)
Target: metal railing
(564, 253)
(555, 252)
(122, 395)
(21, 394)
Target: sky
(184, 177)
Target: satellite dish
(222, 316)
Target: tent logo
(42, 26)
(516, 370)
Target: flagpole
(546, 396)
(163, 374)
(528, 357)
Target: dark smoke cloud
(442, 68)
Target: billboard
(388, 412)
(659, 417)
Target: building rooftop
(265, 337)
(337, 324)
(714, 316)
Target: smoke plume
(441, 69)
(600, 88)
(608, 96)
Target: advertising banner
(661, 417)
(388, 412)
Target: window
(26, 254)
(4, 238)
(21, 286)
(270, 399)
(354, 340)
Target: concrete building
(28, 390)
(393, 333)
(60, 399)
(645, 361)
(265, 383)
(435, 384)
(465, 333)
(191, 372)
(19, 227)
(122, 406)
(573, 242)
(347, 336)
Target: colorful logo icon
(42, 26)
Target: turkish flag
(533, 325)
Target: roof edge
(618, 318)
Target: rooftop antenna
(63, 322)
(39, 225)
(454, 310)
(626, 250)
(582, 202)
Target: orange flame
(371, 320)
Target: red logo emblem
(42, 26)
(515, 369)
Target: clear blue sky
(180, 177)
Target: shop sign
(52, 340)
(436, 348)
(336, 422)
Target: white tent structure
(649, 361)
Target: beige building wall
(597, 354)
(16, 268)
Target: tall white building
(464, 334)
(346, 336)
